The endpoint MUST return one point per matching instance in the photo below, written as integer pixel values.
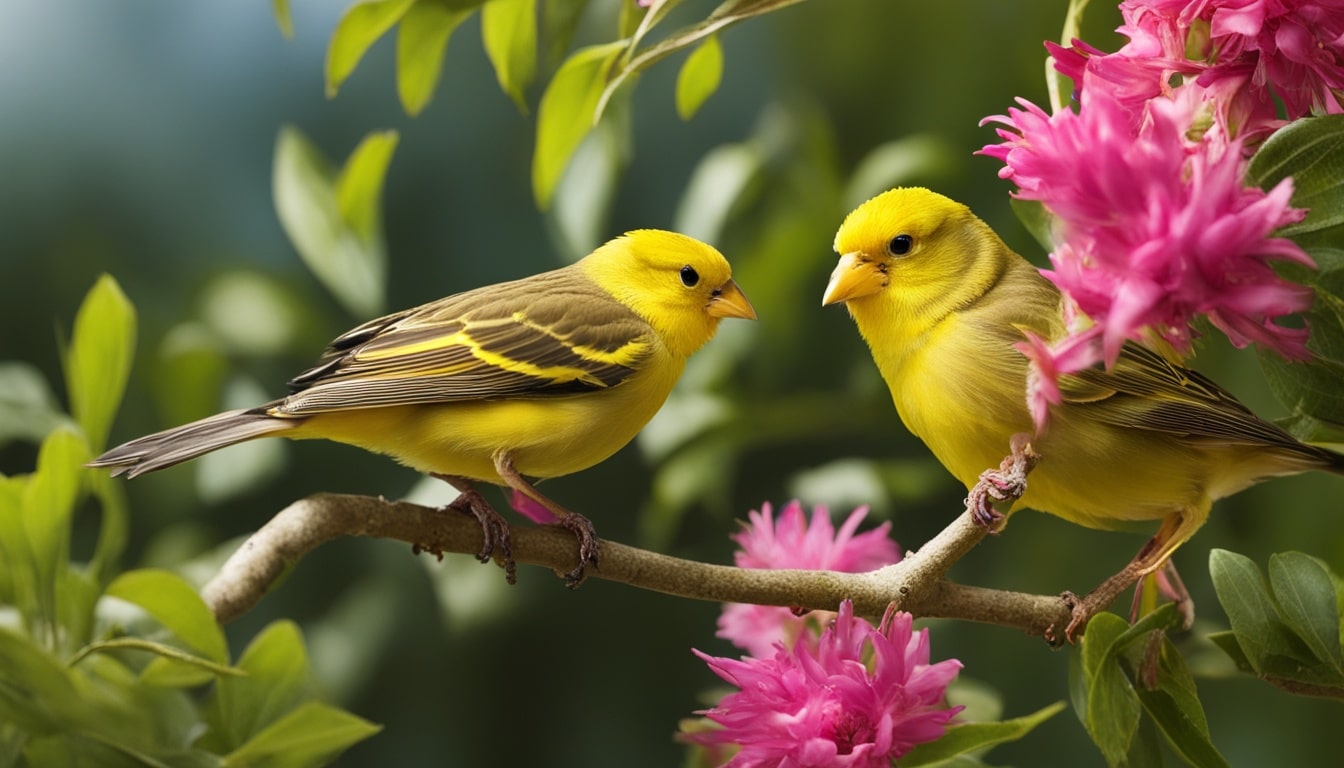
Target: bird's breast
(961, 393)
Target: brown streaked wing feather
(341, 345)
(1145, 391)
(464, 347)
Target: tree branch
(915, 584)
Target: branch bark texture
(915, 584)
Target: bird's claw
(1079, 615)
(583, 530)
(1006, 483)
(979, 502)
(494, 530)
(1080, 612)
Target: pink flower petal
(1154, 227)
(792, 541)
(861, 696)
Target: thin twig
(914, 584)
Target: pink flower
(1237, 54)
(861, 698)
(1153, 229)
(791, 542)
(1130, 80)
(1046, 363)
(1293, 47)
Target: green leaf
(38, 694)
(311, 734)
(191, 366)
(173, 603)
(283, 18)
(1308, 389)
(18, 571)
(583, 200)
(971, 737)
(28, 409)
(1250, 609)
(699, 77)
(1175, 708)
(1146, 748)
(422, 39)
(333, 224)
(1311, 151)
(361, 25)
(1305, 594)
(1035, 219)
(719, 183)
(559, 19)
(360, 186)
(1054, 80)
(1227, 643)
(1113, 709)
(48, 503)
(244, 312)
(277, 682)
(726, 15)
(509, 32)
(99, 359)
(114, 527)
(567, 113)
(898, 162)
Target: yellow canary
(539, 377)
(941, 301)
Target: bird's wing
(553, 334)
(1146, 391)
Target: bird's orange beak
(730, 301)
(854, 277)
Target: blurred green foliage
(140, 142)
(105, 671)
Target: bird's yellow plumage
(941, 301)
(538, 377)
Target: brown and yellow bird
(941, 301)
(535, 378)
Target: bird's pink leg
(580, 526)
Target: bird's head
(680, 285)
(912, 252)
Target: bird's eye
(689, 277)
(900, 245)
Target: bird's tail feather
(1337, 462)
(173, 446)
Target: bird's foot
(1079, 614)
(583, 530)
(1008, 482)
(494, 528)
(1168, 584)
(1082, 609)
(580, 526)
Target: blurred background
(136, 139)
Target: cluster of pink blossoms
(1154, 224)
(792, 542)
(843, 695)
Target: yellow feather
(1146, 441)
(556, 372)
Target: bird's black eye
(689, 277)
(900, 245)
